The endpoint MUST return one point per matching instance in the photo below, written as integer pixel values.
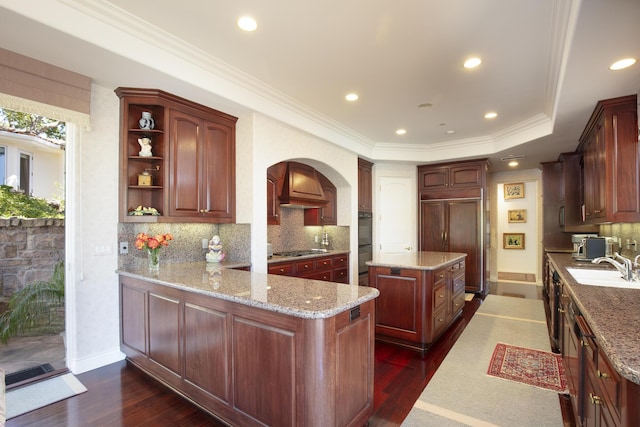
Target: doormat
(25, 374)
(42, 393)
(538, 368)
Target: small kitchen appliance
(269, 250)
(589, 248)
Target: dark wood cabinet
(250, 366)
(327, 214)
(274, 186)
(573, 194)
(202, 171)
(552, 203)
(453, 201)
(611, 162)
(365, 186)
(454, 226)
(193, 162)
(329, 268)
(447, 176)
(416, 306)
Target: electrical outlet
(124, 248)
(205, 244)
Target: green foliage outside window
(16, 204)
(33, 124)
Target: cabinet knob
(441, 296)
(282, 270)
(584, 343)
(603, 375)
(595, 400)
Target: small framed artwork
(514, 191)
(513, 240)
(518, 215)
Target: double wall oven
(365, 232)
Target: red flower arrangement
(153, 244)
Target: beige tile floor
(26, 352)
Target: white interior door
(397, 215)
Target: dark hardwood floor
(121, 395)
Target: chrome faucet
(625, 267)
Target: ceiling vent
(513, 157)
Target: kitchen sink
(601, 277)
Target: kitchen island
(421, 295)
(251, 348)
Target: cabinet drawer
(458, 284)
(341, 275)
(439, 276)
(609, 382)
(306, 266)
(458, 302)
(283, 269)
(440, 322)
(326, 276)
(439, 297)
(340, 260)
(324, 263)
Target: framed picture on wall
(513, 240)
(518, 215)
(514, 190)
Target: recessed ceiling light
(472, 62)
(450, 132)
(513, 163)
(491, 115)
(247, 23)
(351, 97)
(401, 131)
(623, 63)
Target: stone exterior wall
(29, 250)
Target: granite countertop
(311, 299)
(416, 260)
(613, 315)
(279, 258)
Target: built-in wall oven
(365, 240)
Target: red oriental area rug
(538, 368)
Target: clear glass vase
(154, 259)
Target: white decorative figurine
(215, 253)
(145, 147)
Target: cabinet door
(433, 178)
(365, 182)
(463, 235)
(217, 154)
(186, 169)
(471, 175)
(274, 182)
(432, 226)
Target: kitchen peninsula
(251, 348)
(421, 294)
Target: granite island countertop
(612, 313)
(416, 260)
(312, 299)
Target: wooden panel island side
(253, 349)
(421, 295)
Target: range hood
(301, 187)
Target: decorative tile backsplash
(186, 245)
(624, 231)
(292, 234)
